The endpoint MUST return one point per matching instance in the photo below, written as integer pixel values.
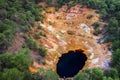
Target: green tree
(81, 76)
(116, 44)
(20, 60)
(3, 3)
(103, 13)
(11, 74)
(118, 15)
(116, 59)
(5, 61)
(113, 73)
(95, 72)
(113, 26)
(48, 75)
(49, 2)
(3, 14)
(107, 78)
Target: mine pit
(71, 63)
(64, 39)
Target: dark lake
(71, 63)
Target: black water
(71, 63)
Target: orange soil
(59, 41)
(64, 33)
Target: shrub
(30, 42)
(25, 28)
(97, 11)
(96, 24)
(39, 27)
(71, 3)
(48, 75)
(42, 51)
(42, 34)
(43, 62)
(80, 76)
(89, 16)
(37, 36)
(96, 32)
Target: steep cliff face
(70, 29)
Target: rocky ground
(69, 29)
